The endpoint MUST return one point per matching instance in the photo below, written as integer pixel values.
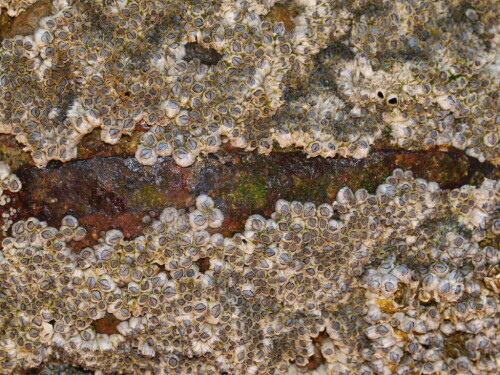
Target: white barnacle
(255, 223)
(198, 220)
(386, 189)
(215, 218)
(104, 343)
(146, 350)
(183, 157)
(42, 37)
(171, 108)
(282, 207)
(204, 202)
(146, 155)
(113, 237)
(169, 215)
(478, 218)
(4, 171)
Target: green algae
(249, 190)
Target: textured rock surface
(198, 74)
(390, 278)
(118, 191)
(398, 277)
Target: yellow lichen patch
(387, 306)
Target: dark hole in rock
(207, 56)
(54, 164)
(393, 101)
(106, 324)
(380, 95)
(203, 264)
(317, 358)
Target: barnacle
(15, 7)
(389, 279)
(404, 280)
(199, 74)
(8, 182)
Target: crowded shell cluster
(8, 182)
(14, 7)
(402, 281)
(196, 74)
(58, 369)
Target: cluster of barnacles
(389, 279)
(413, 73)
(401, 281)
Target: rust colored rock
(118, 192)
(107, 324)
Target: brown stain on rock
(117, 192)
(106, 324)
(26, 22)
(283, 12)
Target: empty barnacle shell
(215, 218)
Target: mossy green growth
(454, 77)
(370, 179)
(148, 197)
(249, 190)
(369, 183)
(14, 157)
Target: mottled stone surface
(27, 22)
(106, 187)
(112, 190)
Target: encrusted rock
(390, 278)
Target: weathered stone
(27, 22)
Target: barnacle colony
(401, 281)
(389, 279)
(8, 182)
(415, 72)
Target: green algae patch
(12, 154)
(149, 196)
(91, 145)
(372, 176)
(249, 190)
